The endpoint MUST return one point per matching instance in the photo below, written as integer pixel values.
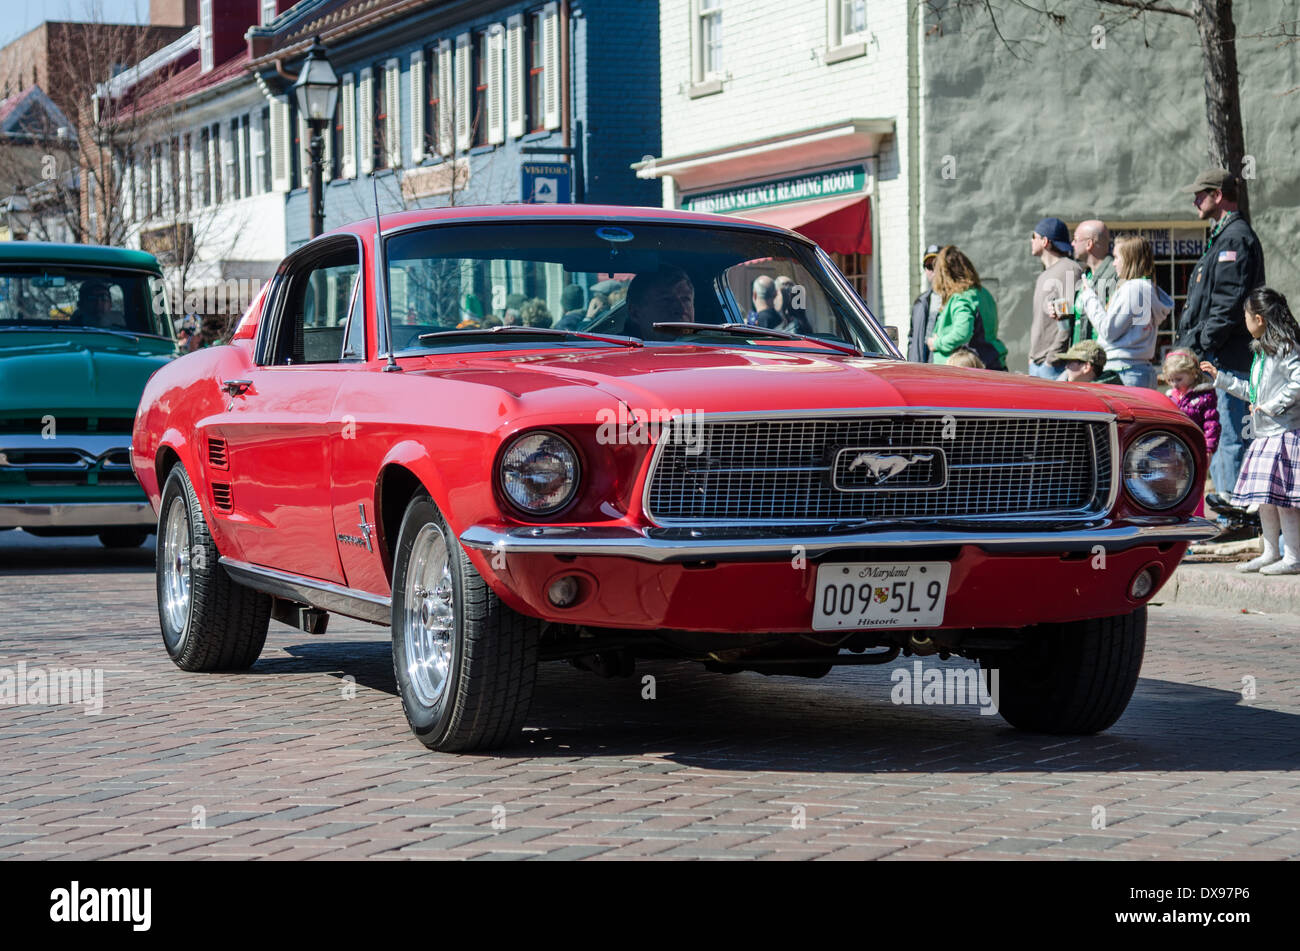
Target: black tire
(123, 537)
(224, 623)
(492, 668)
(1074, 678)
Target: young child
(966, 357)
(1193, 392)
(1270, 474)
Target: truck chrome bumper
(739, 544)
(76, 514)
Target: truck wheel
(1070, 678)
(208, 621)
(465, 663)
(123, 537)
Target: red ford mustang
(598, 434)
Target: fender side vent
(221, 500)
(217, 453)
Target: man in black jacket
(924, 310)
(1213, 321)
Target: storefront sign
(832, 183)
(545, 183)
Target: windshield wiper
(751, 330)
(104, 330)
(533, 331)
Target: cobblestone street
(308, 755)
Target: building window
(432, 100)
(536, 92)
(855, 267)
(204, 196)
(479, 129)
(379, 109)
(852, 21)
(709, 39)
(246, 154)
(215, 140)
(268, 11)
(205, 35)
(264, 157)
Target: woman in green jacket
(969, 317)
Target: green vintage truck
(81, 330)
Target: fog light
(1143, 583)
(563, 591)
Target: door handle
(236, 387)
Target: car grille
(801, 470)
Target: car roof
(532, 212)
(93, 255)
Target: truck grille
(923, 465)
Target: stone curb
(1220, 586)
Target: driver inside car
(665, 295)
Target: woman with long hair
(969, 316)
(1126, 329)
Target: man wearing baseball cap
(1085, 362)
(924, 310)
(1213, 321)
(1049, 335)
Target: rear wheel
(1069, 678)
(465, 663)
(208, 621)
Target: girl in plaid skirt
(1270, 475)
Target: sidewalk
(1207, 577)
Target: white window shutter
(551, 65)
(327, 153)
(496, 87)
(419, 105)
(445, 97)
(228, 169)
(464, 99)
(256, 147)
(217, 164)
(280, 145)
(366, 126)
(182, 177)
(128, 192)
(164, 180)
(304, 152)
(393, 111)
(348, 134)
(516, 76)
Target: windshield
(616, 279)
(54, 297)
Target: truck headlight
(1158, 470)
(539, 472)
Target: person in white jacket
(1126, 329)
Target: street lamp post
(317, 94)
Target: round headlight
(1158, 470)
(539, 473)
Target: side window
(314, 314)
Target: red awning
(841, 225)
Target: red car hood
(712, 379)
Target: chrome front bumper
(76, 514)
(724, 544)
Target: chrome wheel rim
(176, 565)
(430, 617)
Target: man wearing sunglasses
(1213, 321)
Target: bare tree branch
(1143, 6)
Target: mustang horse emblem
(886, 467)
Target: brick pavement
(308, 756)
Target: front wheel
(209, 622)
(465, 663)
(1074, 678)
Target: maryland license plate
(860, 595)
